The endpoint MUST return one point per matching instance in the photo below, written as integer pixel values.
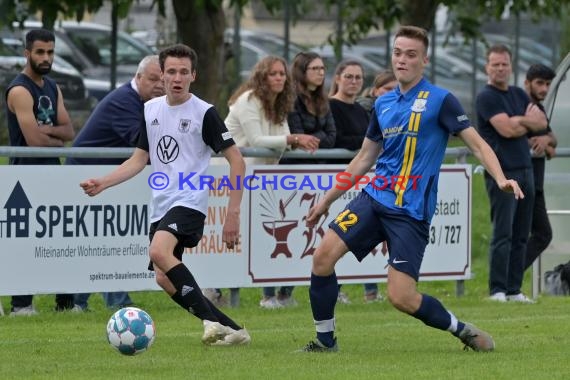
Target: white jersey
(180, 140)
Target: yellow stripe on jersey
(409, 153)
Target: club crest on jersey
(419, 105)
(184, 125)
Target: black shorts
(184, 223)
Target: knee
(323, 265)
(155, 254)
(161, 279)
(401, 300)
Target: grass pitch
(375, 341)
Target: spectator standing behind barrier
(351, 121)
(311, 113)
(542, 145)
(505, 117)
(383, 82)
(37, 117)
(182, 123)
(399, 216)
(115, 122)
(258, 118)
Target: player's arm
(128, 169)
(64, 129)
(21, 103)
(489, 160)
(230, 232)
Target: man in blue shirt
(406, 139)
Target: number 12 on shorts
(346, 219)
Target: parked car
(363, 55)
(77, 100)
(269, 43)
(254, 45)
(87, 46)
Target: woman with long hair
(258, 118)
(311, 112)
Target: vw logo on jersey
(167, 149)
(184, 125)
(419, 105)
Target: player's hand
(92, 187)
(230, 232)
(316, 212)
(511, 186)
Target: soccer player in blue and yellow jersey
(407, 137)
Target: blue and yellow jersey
(414, 129)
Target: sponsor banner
(54, 238)
(281, 245)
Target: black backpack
(557, 281)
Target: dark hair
(338, 72)
(274, 111)
(34, 35)
(380, 80)
(499, 48)
(316, 101)
(415, 33)
(178, 51)
(539, 71)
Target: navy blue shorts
(365, 223)
(184, 223)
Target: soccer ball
(131, 331)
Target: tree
(201, 25)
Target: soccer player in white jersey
(179, 133)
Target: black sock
(222, 318)
(188, 293)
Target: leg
(403, 294)
(502, 217)
(284, 296)
(541, 230)
(521, 231)
(22, 305)
(269, 300)
(63, 302)
(173, 276)
(117, 299)
(323, 291)
(371, 293)
(81, 300)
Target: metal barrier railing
(14, 151)
(459, 153)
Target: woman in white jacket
(258, 118)
(259, 109)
